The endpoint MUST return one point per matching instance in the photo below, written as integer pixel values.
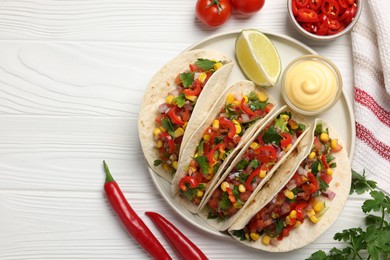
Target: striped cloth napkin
(371, 65)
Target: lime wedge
(258, 58)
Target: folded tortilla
(159, 88)
(238, 89)
(307, 231)
(223, 225)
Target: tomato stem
(216, 2)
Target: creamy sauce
(310, 85)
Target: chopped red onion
(163, 108)
(329, 194)
(302, 171)
(245, 118)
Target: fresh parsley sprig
(374, 240)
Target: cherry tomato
(247, 6)
(213, 12)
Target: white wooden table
(72, 76)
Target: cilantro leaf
(271, 136)
(225, 202)
(242, 164)
(203, 163)
(205, 64)
(187, 78)
(180, 100)
(360, 184)
(157, 162)
(240, 234)
(167, 124)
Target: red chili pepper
(191, 181)
(246, 109)
(228, 124)
(185, 247)
(210, 155)
(133, 223)
(174, 117)
(193, 92)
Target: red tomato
(248, 6)
(213, 12)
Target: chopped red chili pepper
(246, 109)
(185, 247)
(174, 117)
(210, 155)
(133, 223)
(323, 160)
(255, 173)
(188, 180)
(193, 92)
(228, 124)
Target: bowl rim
(327, 62)
(313, 36)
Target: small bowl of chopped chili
(324, 19)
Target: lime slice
(258, 58)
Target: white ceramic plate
(288, 49)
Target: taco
(231, 121)
(188, 84)
(253, 167)
(306, 202)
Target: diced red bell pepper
(246, 109)
(286, 139)
(188, 181)
(169, 141)
(299, 209)
(194, 92)
(210, 155)
(174, 117)
(229, 125)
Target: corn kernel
(288, 147)
(178, 132)
(285, 117)
(314, 219)
(254, 236)
(237, 103)
(185, 125)
(324, 137)
(293, 124)
(156, 131)
(245, 99)
(293, 214)
(191, 98)
(319, 167)
(247, 236)
(159, 143)
(297, 223)
(238, 126)
(217, 65)
(310, 213)
(215, 124)
(289, 194)
(199, 193)
(163, 129)
(230, 99)
(241, 188)
(169, 100)
(262, 173)
(265, 240)
(312, 155)
(166, 167)
(334, 143)
(224, 185)
(206, 137)
(288, 220)
(202, 77)
(262, 96)
(319, 206)
(174, 164)
(254, 145)
(329, 171)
